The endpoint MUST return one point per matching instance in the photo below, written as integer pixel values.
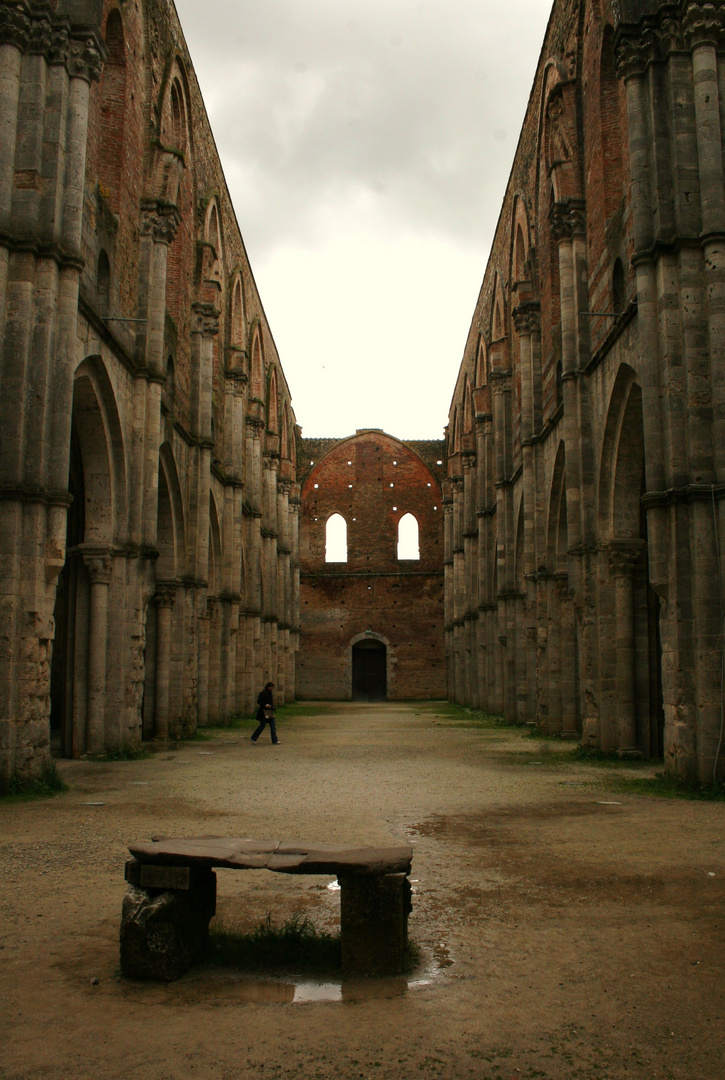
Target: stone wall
(372, 481)
(148, 521)
(586, 450)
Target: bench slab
(216, 852)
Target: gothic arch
(236, 313)
(257, 364)
(215, 572)
(556, 547)
(520, 253)
(170, 530)
(273, 402)
(481, 362)
(622, 460)
(98, 428)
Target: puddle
(251, 991)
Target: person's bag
(268, 712)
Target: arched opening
(369, 670)
(257, 367)
(520, 255)
(408, 538)
(237, 316)
(272, 405)
(77, 681)
(336, 539)
(630, 607)
(113, 112)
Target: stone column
(703, 27)
(159, 225)
(526, 322)
(98, 565)
(164, 600)
(624, 556)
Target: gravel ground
(566, 931)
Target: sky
(367, 145)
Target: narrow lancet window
(336, 539)
(408, 538)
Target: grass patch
(589, 755)
(296, 944)
(302, 708)
(667, 787)
(45, 786)
(460, 716)
(123, 753)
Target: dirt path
(567, 932)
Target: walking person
(265, 714)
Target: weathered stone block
(163, 934)
(374, 923)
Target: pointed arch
(273, 402)
(212, 270)
(481, 363)
(98, 427)
(237, 319)
(257, 364)
(467, 407)
(170, 530)
(284, 433)
(214, 577)
(520, 255)
(622, 462)
(557, 543)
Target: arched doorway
(369, 670)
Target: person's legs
(273, 729)
(258, 731)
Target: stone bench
(172, 897)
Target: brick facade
(371, 480)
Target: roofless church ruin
(557, 558)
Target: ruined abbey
(168, 541)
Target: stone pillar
(164, 600)
(703, 33)
(98, 565)
(624, 557)
(374, 923)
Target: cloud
(419, 103)
(367, 145)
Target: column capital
(165, 594)
(624, 556)
(99, 564)
(85, 59)
(567, 218)
(526, 317)
(15, 27)
(702, 24)
(159, 220)
(206, 319)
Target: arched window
(336, 539)
(103, 284)
(520, 255)
(237, 321)
(618, 292)
(177, 117)
(272, 409)
(408, 538)
(257, 367)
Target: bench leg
(164, 932)
(374, 923)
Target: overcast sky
(367, 145)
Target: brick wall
(372, 480)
